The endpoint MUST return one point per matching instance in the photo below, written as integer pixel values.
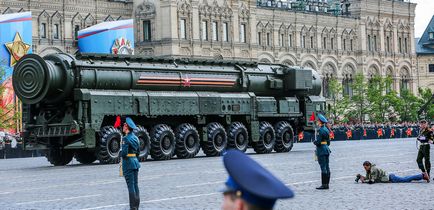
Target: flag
(117, 122)
(332, 135)
(379, 132)
(312, 117)
(408, 132)
(349, 134)
(300, 136)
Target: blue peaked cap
(130, 123)
(256, 184)
(322, 118)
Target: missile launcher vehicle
(70, 104)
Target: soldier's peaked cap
(322, 118)
(252, 182)
(130, 123)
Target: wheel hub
(240, 139)
(268, 138)
(166, 143)
(114, 147)
(286, 137)
(190, 141)
(218, 140)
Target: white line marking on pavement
(156, 200)
(108, 206)
(379, 156)
(199, 184)
(59, 199)
(297, 183)
(180, 197)
(219, 182)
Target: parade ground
(32, 183)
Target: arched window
(43, 22)
(56, 25)
(184, 20)
(291, 36)
(77, 24)
(328, 73)
(405, 79)
(244, 23)
(389, 76)
(347, 80)
(145, 21)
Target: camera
(358, 177)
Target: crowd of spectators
(359, 131)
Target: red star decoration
(186, 82)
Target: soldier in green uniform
(323, 152)
(378, 175)
(130, 163)
(425, 138)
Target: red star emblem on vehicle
(186, 82)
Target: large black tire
(217, 140)
(145, 142)
(109, 145)
(162, 142)
(187, 141)
(284, 137)
(85, 157)
(238, 137)
(267, 139)
(59, 157)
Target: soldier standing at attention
(425, 138)
(249, 185)
(323, 152)
(130, 164)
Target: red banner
(408, 132)
(349, 134)
(379, 132)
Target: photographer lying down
(377, 175)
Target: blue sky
(424, 13)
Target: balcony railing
(335, 7)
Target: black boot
(137, 201)
(132, 201)
(323, 182)
(328, 180)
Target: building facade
(369, 36)
(57, 22)
(425, 57)
(337, 38)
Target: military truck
(70, 104)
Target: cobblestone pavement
(31, 183)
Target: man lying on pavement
(377, 175)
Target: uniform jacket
(376, 175)
(130, 145)
(324, 136)
(425, 135)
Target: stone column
(395, 38)
(382, 45)
(362, 36)
(195, 27)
